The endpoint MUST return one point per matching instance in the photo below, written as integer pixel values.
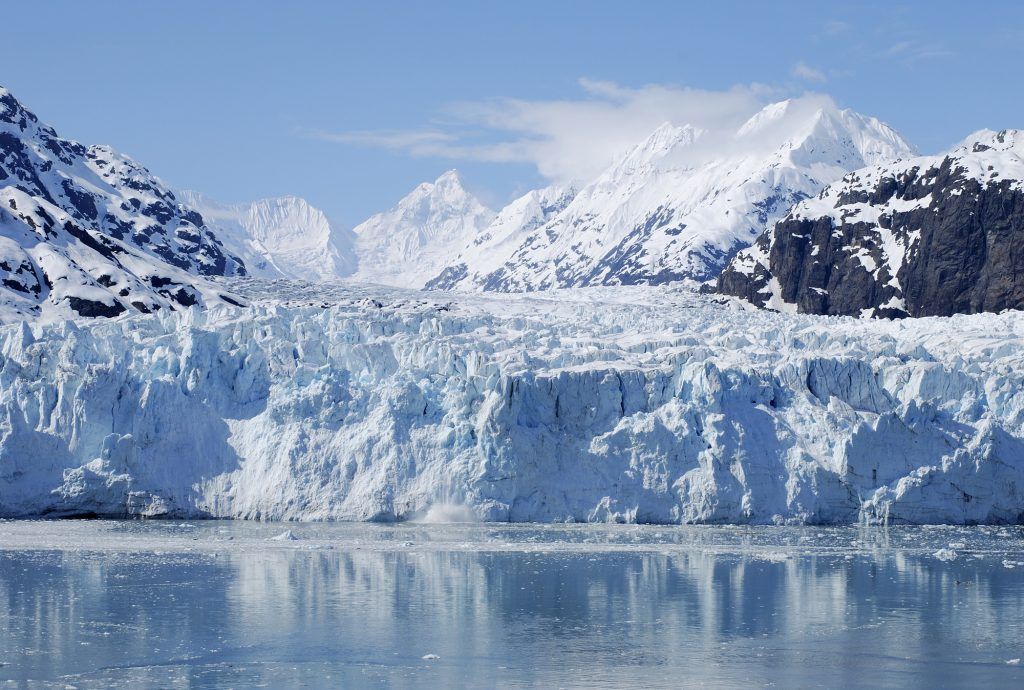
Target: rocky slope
(927, 236)
(679, 205)
(86, 231)
(625, 404)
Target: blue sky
(352, 104)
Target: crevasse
(623, 404)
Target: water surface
(214, 604)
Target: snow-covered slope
(492, 246)
(931, 235)
(284, 237)
(632, 403)
(412, 242)
(681, 203)
(87, 231)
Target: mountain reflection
(333, 616)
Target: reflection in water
(328, 617)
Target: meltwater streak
(211, 604)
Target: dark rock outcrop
(931, 236)
(77, 221)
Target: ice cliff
(624, 404)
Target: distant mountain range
(86, 231)
(678, 205)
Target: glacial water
(100, 604)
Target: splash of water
(446, 513)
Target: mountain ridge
(85, 231)
(682, 202)
(925, 236)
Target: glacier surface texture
(646, 404)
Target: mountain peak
(662, 142)
(986, 139)
(449, 177)
(408, 244)
(13, 112)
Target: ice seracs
(631, 404)
(922, 236)
(682, 202)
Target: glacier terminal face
(645, 404)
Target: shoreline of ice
(657, 405)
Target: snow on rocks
(619, 405)
(924, 236)
(675, 207)
(86, 231)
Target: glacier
(625, 404)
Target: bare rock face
(928, 236)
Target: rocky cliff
(927, 236)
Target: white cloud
(802, 70)
(569, 139)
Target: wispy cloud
(912, 50)
(385, 139)
(567, 139)
(835, 27)
(802, 70)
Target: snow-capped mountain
(411, 243)
(283, 237)
(931, 235)
(681, 203)
(491, 247)
(90, 232)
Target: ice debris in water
(285, 536)
(430, 657)
(945, 554)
